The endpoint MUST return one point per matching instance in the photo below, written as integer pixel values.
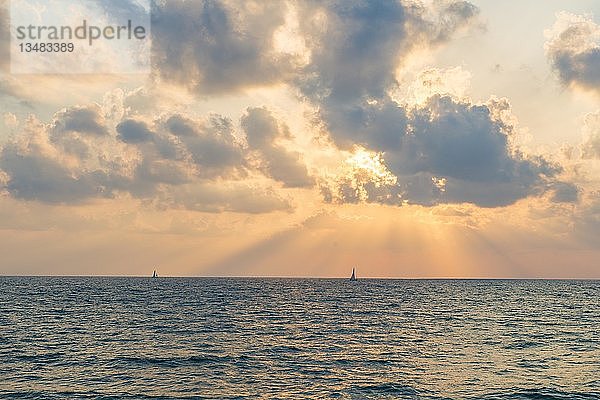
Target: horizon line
(303, 277)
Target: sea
(254, 338)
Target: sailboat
(353, 277)
(154, 275)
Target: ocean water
(106, 338)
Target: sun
(370, 165)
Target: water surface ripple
(201, 338)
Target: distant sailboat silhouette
(353, 277)
(154, 275)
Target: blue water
(298, 338)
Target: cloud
(171, 162)
(215, 47)
(263, 132)
(80, 119)
(221, 197)
(131, 131)
(10, 120)
(36, 170)
(573, 50)
(365, 178)
(564, 192)
(444, 150)
(219, 46)
(585, 219)
(453, 151)
(9, 87)
(124, 10)
(211, 145)
(591, 146)
(418, 88)
(440, 21)
(354, 48)
(44, 179)
(441, 150)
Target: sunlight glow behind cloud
(301, 137)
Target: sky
(408, 139)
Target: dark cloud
(131, 131)
(213, 46)
(212, 146)
(460, 140)
(444, 151)
(581, 68)
(450, 151)
(286, 167)
(262, 133)
(34, 176)
(80, 119)
(378, 125)
(572, 52)
(564, 192)
(355, 47)
(219, 46)
(124, 10)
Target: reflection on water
(298, 338)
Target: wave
(177, 361)
(540, 394)
(386, 388)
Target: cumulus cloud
(452, 151)
(217, 46)
(263, 132)
(443, 150)
(131, 131)
(418, 88)
(356, 47)
(81, 119)
(440, 21)
(220, 46)
(365, 178)
(37, 170)
(573, 50)
(125, 9)
(173, 161)
(211, 145)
